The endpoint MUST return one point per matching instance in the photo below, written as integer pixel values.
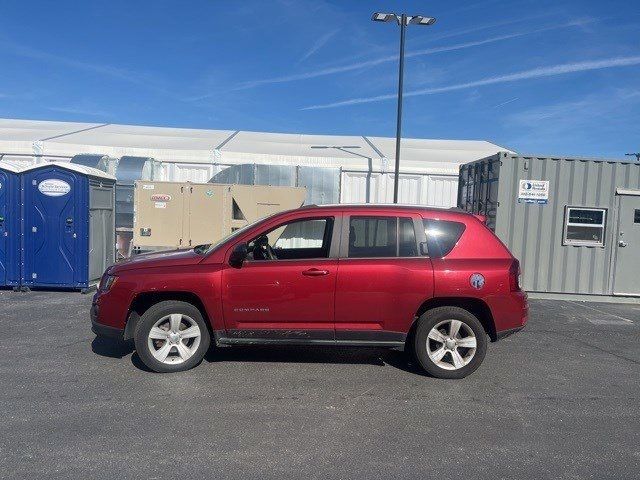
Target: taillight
(514, 276)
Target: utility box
(9, 224)
(573, 223)
(68, 234)
(179, 215)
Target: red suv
(435, 282)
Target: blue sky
(538, 76)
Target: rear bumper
(506, 333)
(510, 313)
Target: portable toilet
(9, 224)
(68, 225)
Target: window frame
(344, 244)
(334, 240)
(584, 243)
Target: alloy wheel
(174, 338)
(451, 344)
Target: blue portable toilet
(68, 228)
(9, 224)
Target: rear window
(442, 235)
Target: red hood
(161, 259)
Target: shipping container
(573, 223)
(182, 215)
(68, 234)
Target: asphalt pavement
(558, 400)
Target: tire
(457, 357)
(165, 348)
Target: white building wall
(442, 191)
(429, 168)
(428, 190)
(188, 172)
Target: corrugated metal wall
(534, 233)
(188, 172)
(429, 190)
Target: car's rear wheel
(450, 342)
(172, 336)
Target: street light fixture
(402, 20)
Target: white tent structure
(428, 174)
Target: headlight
(107, 282)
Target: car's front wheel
(172, 336)
(450, 342)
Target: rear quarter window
(442, 236)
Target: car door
(289, 297)
(382, 277)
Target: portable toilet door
(56, 224)
(9, 225)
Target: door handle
(622, 243)
(314, 272)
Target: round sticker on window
(477, 281)
(53, 187)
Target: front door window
(297, 240)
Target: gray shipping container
(573, 223)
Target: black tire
(433, 317)
(155, 313)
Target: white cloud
(575, 112)
(122, 74)
(87, 112)
(539, 72)
(394, 58)
(27, 52)
(318, 44)
(594, 122)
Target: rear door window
(373, 237)
(407, 246)
(442, 236)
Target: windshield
(208, 248)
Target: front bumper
(104, 330)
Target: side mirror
(238, 255)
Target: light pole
(402, 20)
(637, 155)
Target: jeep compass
(436, 283)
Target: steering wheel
(263, 249)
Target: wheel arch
(143, 301)
(474, 305)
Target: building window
(636, 216)
(585, 226)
